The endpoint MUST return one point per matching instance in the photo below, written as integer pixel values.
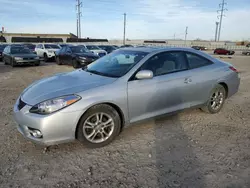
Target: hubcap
(216, 99)
(98, 127)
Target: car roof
(157, 49)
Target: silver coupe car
(95, 103)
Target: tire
(45, 57)
(215, 102)
(58, 61)
(248, 54)
(75, 64)
(12, 63)
(111, 131)
(4, 61)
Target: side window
(196, 61)
(6, 49)
(166, 62)
(62, 51)
(39, 46)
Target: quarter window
(196, 61)
(167, 62)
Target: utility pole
(216, 31)
(124, 29)
(221, 11)
(186, 32)
(78, 17)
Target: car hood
(24, 55)
(89, 55)
(52, 49)
(98, 51)
(63, 84)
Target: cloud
(146, 19)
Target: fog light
(35, 133)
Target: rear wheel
(248, 54)
(216, 100)
(99, 126)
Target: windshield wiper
(98, 73)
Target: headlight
(82, 58)
(53, 105)
(37, 58)
(50, 51)
(18, 58)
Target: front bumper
(56, 128)
(22, 62)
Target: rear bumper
(233, 83)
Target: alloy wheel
(217, 99)
(98, 127)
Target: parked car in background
(93, 104)
(19, 55)
(246, 52)
(248, 45)
(126, 46)
(32, 47)
(77, 56)
(199, 48)
(223, 51)
(2, 46)
(96, 50)
(62, 45)
(107, 48)
(117, 47)
(46, 51)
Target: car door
(165, 92)
(61, 55)
(201, 78)
(68, 56)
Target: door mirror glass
(144, 74)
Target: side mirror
(144, 74)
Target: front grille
(28, 58)
(21, 104)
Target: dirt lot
(190, 149)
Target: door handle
(187, 80)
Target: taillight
(234, 69)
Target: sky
(146, 19)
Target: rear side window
(196, 61)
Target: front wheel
(99, 126)
(75, 64)
(58, 61)
(248, 54)
(45, 57)
(216, 100)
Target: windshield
(79, 49)
(31, 46)
(116, 64)
(20, 50)
(51, 46)
(92, 47)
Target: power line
(78, 17)
(221, 11)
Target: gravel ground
(189, 149)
